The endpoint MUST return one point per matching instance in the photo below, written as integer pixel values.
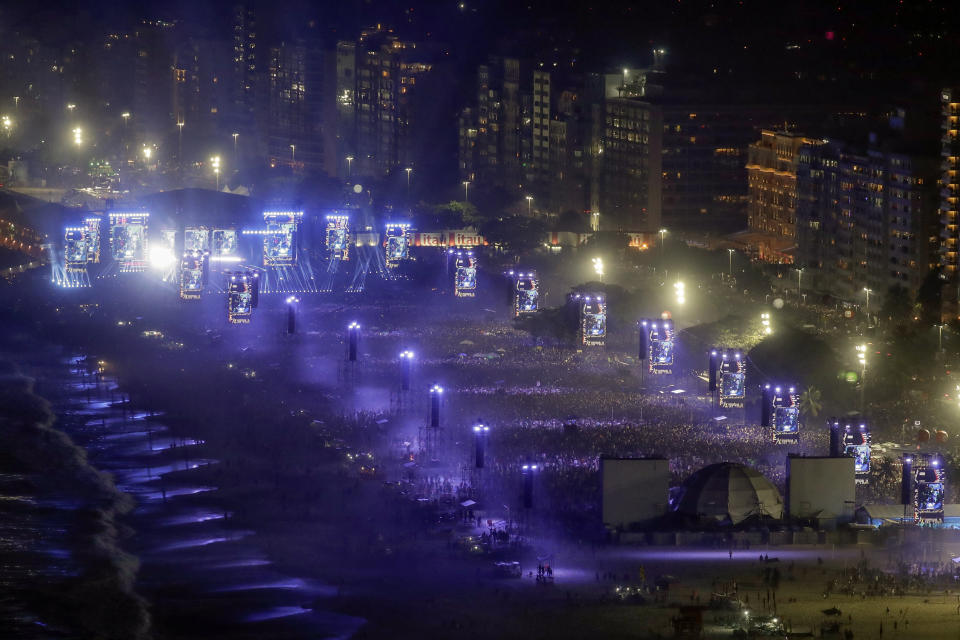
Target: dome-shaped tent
(729, 492)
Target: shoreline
(100, 599)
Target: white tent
(729, 492)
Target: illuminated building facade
(772, 182)
(294, 134)
(630, 197)
(382, 102)
(866, 218)
(949, 193)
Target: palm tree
(810, 404)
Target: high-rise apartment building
(246, 74)
(383, 103)
(295, 136)
(772, 183)
(866, 218)
(152, 104)
(949, 193)
(630, 195)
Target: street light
(71, 107)
(799, 275)
(408, 170)
(662, 233)
(147, 152)
(466, 192)
(349, 165)
(293, 154)
(235, 136)
(16, 102)
(598, 267)
(868, 292)
(529, 206)
(730, 255)
(940, 338)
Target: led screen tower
(338, 237)
(526, 298)
(732, 378)
(657, 345)
(240, 297)
(929, 483)
(465, 276)
(780, 410)
(75, 248)
(93, 239)
(397, 243)
(592, 319)
(191, 275)
(280, 238)
(128, 239)
(856, 445)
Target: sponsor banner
(462, 238)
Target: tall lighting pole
(215, 162)
(662, 232)
(408, 170)
(862, 359)
(349, 166)
(180, 144)
(406, 365)
(529, 206)
(730, 255)
(480, 433)
(466, 191)
(235, 137)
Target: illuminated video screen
(861, 458)
(929, 487)
(75, 248)
(661, 347)
(128, 239)
(191, 276)
(338, 237)
(465, 277)
(279, 240)
(594, 321)
(397, 243)
(196, 239)
(856, 445)
(92, 226)
(929, 497)
(240, 298)
(732, 385)
(528, 296)
(786, 420)
(223, 243)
